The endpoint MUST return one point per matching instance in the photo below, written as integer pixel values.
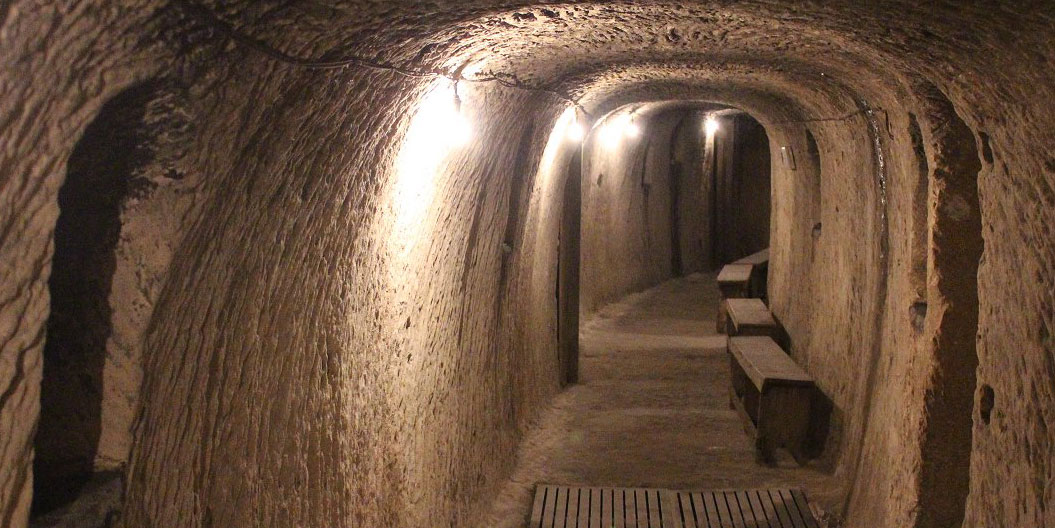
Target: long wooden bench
(744, 278)
(734, 282)
(759, 263)
(772, 394)
(749, 317)
(762, 257)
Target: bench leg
(783, 420)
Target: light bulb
(711, 126)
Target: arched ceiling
(799, 59)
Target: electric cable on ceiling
(505, 79)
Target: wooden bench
(762, 257)
(759, 263)
(772, 395)
(744, 278)
(734, 282)
(749, 317)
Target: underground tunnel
(506, 263)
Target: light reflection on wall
(616, 127)
(567, 129)
(711, 125)
(436, 130)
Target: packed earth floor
(651, 409)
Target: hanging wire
(508, 80)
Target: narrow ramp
(586, 507)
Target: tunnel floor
(651, 409)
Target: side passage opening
(99, 180)
(952, 320)
(568, 271)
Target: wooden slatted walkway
(577, 507)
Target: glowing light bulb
(435, 130)
(711, 126)
(443, 123)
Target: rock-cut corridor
(651, 409)
(326, 263)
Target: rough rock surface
(336, 343)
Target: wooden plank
(734, 509)
(749, 317)
(735, 274)
(556, 516)
(771, 512)
(784, 418)
(699, 505)
(711, 501)
(562, 507)
(762, 257)
(804, 508)
(574, 507)
(595, 508)
(569, 513)
(756, 506)
(629, 508)
(536, 507)
(642, 508)
(582, 511)
(551, 514)
(580, 516)
(618, 508)
(626, 501)
(750, 312)
(793, 511)
(652, 500)
(745, 509)
(723, 510)
(688, 513)
(670, 509)
(608, 507)
(782, 511)
(765, 362)
(561, 511)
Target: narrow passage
(651, 409)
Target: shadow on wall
(101, 178)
